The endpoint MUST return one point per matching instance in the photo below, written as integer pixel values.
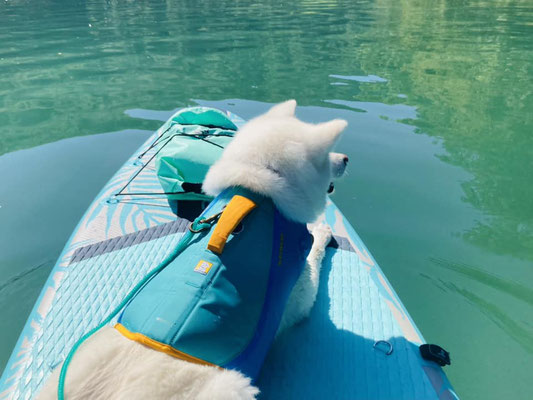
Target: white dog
(275, 155)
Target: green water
(439, 98)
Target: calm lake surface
(438, 95)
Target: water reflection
(512, 288)
(366, 78)
(519, 331)
(395, 112)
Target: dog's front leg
(303, 295)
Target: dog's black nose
(345, 160)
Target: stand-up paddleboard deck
(340, 352)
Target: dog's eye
(331, 188)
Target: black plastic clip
(433, 352)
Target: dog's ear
(285, 109)
(327, 134)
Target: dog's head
(283, 158)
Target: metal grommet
(388, 352)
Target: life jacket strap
(164, 348)
(235, 211)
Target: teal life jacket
(221, 300)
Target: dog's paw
(321, 234)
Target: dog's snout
(339, 162)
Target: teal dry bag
(191, 141)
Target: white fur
(278, 156)
(282, 157)
(109, 366)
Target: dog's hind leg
(303, 295)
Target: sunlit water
(439, 99)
